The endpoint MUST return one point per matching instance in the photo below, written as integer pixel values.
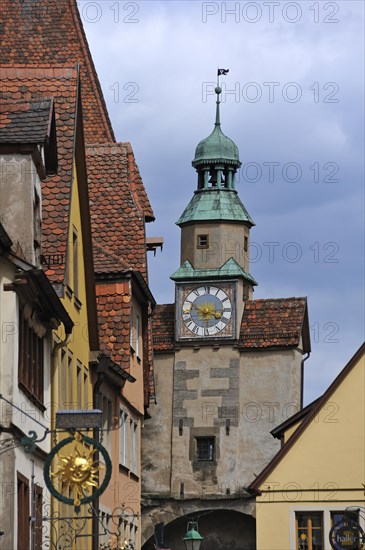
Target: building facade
(29, 312)
(227, 368)
(94, 214)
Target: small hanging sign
(346, 535)
(77, 472)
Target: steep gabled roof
(314, 411)
(51, 32)
(34, 83)
(117, 221)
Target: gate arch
(223, 527)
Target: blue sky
(293, 103)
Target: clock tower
(228, 369)
(214, 280)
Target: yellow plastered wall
(73, 382)
(71, 377)
(289, 432)
(323, 471)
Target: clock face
(206, 311)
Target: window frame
(138, 336)
(133, 446)
(30, 361)
(201, 236)
(200, 451)
(309, 528)
(245, 243)
(23, 512)
(123, 438)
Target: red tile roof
(107, 263)
(275, 323)
(114, 306)
(51, 32)
(163, 328)
(117, 222)
(272, 323)
(32, 83)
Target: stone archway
(222, 529)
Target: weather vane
(221, 72)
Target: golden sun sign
(78, 471)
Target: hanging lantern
(193, 538)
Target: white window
(133, 435)
(123, 439)
(131, 330)
(135, 332)
(138, 335)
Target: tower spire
(218, 91)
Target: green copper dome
(217, 147)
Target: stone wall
(237, 398)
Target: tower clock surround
(206, 311)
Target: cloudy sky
(293, 103)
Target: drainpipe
(101, 370)
(302, 380)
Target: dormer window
(203, 241)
